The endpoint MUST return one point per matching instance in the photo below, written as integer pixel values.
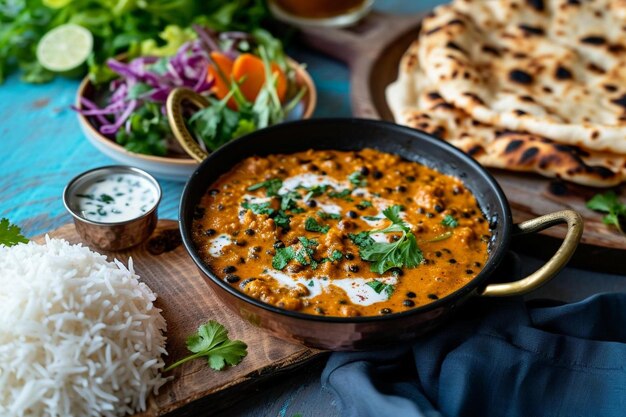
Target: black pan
(339, 333)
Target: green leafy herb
(313, 226)
(271, 186)
(335, 256)
(326, 216)
(258, 208)
(364, 204)
(361, 239)
(305, 254)
(357, 179)
(449, 221)
(211, 342)
(610, 204)
(343, 194)
(288, 200)
(147, 131)
(315, 191)
(282, 257)
(372, 218)
(311, 283)
(403, 253)
(10, 234)
(379, 287)
(282, 220)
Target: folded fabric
(501, 358)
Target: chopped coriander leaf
(449, 221)
(105, 198)
(271, 186)
(335, 256)
(325, 216)
(315, 191)
(258, 208)
(288, 200)
(10, 234)
(313, 226)
(282, 219)
(343, 194)
(610, 204)
(372, 218)
(282, 257)
(364, 204)
(384, 256)
(211, 341)
(311, 283)
(379, 287)
(361, 239)
(357, 179)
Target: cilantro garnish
(315, 191)
(271, 186)
(282, 219)
(403, 253)
(258, 208)
(364, 204)
(211, 341)
(379, 287)
(372, 218)
(288, 200)
(335, 256)
(313, 226)
(282, 257)
(325, 216)
(449, 221)
(304, 255)
(361, 239)
(609, 203)
(10, 234)
(357, 179)
(343, 194)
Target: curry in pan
(341, 233)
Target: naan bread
(555, 68)
(417, 103)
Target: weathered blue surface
(42, 147)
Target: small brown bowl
(369, 332)
(111, 236)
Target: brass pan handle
(174, 109)
(554, 265)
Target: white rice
(79, 336)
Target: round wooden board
(373, 49)
(186, 302)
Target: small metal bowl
(111, 236)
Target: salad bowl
(177, 166)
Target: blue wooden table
(43, 148)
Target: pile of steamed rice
(79, 336)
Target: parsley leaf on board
(211, 341)
(313, 226)
(10, 234)
(450, 221)
(271, 186)
(610, 204)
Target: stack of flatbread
(525, 85)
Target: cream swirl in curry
(341, 233)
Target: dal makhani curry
(341, 233)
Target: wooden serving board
(187, 302)
(373, 48)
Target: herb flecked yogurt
(116, 197)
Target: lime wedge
(64, 48)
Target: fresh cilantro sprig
(610, 204)
(312, 225)
(211, 341)
(450, 221)
(271, 186)
(379, 287)
(10, 234)
(384, 256)
(304, 255)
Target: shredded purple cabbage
(188, 68)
